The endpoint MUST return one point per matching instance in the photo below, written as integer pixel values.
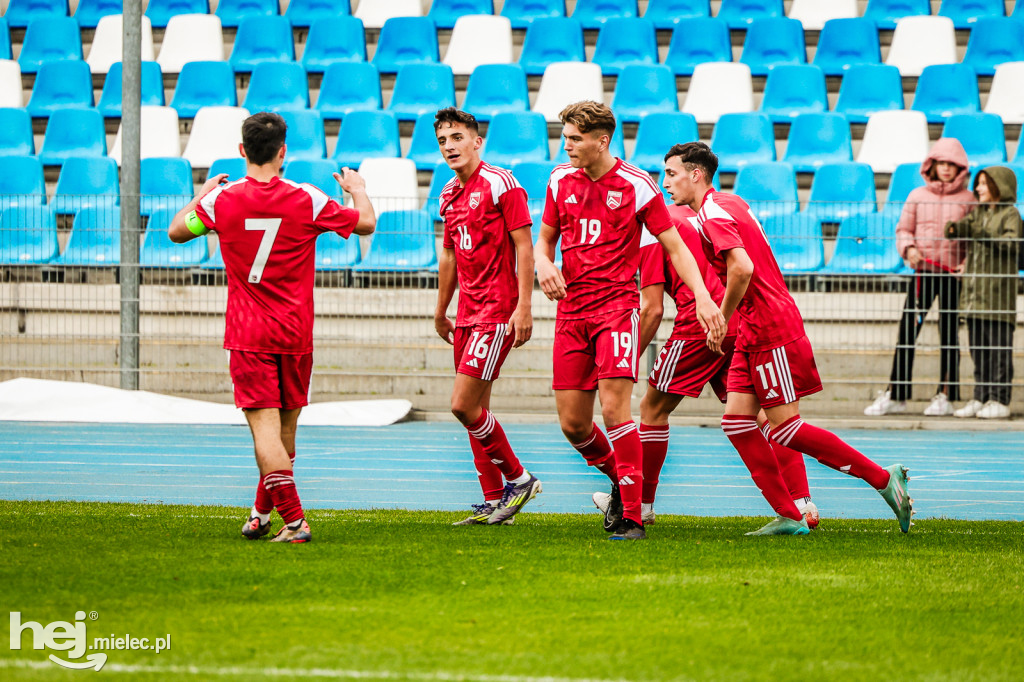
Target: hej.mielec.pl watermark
(72, 639)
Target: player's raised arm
(521, 322)
(353, 183)
(708, 313)
(548, 275)
(186, 225)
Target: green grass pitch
(398, 595)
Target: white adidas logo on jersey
(771, 394)
(571, 199)
(623, 364)
(473, 363)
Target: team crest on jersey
(474, 199)
(614, 199)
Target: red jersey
(769, 316)
(267, 233)
(656, 268)
(477, 220)
(599, 223)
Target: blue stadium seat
(333, 40)
(496, 88)
(551, 40)
(792, 90)
(966, 13)
(164, 183)
(28, 235)
(840, 190)
(865, 244)
(276, 86)
(522, 13)
(305, 138)
(818, 139)
(442, 174)
(617, 147)
(233, 13)
(22, 183)
(406, 40)
(994, 41)
(402, 242)
(534, 176)
(667, 13)
(152, 89)
(161, 11)
(444, 13)
(215, 262)
(158, 251)
(516, 137)
(86, 181)
(769, 187)
(593, 14)
(234, 167)
(305, 13)
(73, 132)
(316, 172)
(844, 43)
(348, 87)
(644, 89)
(885, 13)
(261, 39)
(796, 242)
(656, 134)
(95, 238)
(21, 13)
(696, 41)
(869, 88)
(65, 84)
(904, 179)
(739, 139)
(5, 40)
(771, 42)
(741, 13)
(16, 133)
(335, 253)
(423, 149)
(204, 84)
(90, 12)
(623, 42)
(981, 135)
(49, 39)
(946, 89)
(367, 134)
(420, 88)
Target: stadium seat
(845, 43)
(158, 251)
(73, 132)
(496, 88)
(813, 14)
(667, 14)
(442, 174)
(89, 12)
(617, 147)
(981, 136)
(216, 261)
(522, 13)
(656, 134)
(718, 88)
(946, 89)
(886, 13)
(479, 40)
(446, 13)
(549, 41)
(840, 190)
(865, 244)
(1006, 97)
(796, 242)
(922, 41)
(347, 87)
(905, 178)
(534, 177)
(49, 39)
(22, 182)
(966, 13)
(994, 41)
(742, 138)
(95, 238)
(423, 149)
(261, 39)
(305, 137)
(516, 137)
(696, 41)
(593, 14)
(160, 12)
(276, 86)
(644, 89)
(367, 134)
(892, 138)
(16, 133)
(164, 183)
(332, 40)
(216, 134)
(233, 12)
(794, 89)
(406, 40)
(377, 13)
(316, 172)
(152, 89)
(817, 139)
(771, 42)
(5, 41)
(21, 13)
(160, 137)
(402, 242)
(233, 166)
(335, 253)
(204, 84)
(28, 235)
(420, 88)
(106, 43)
(62, 84)
(769, 187)
(305, 13)
(10, 84)
(391, 184)
(624, 42)
(191, 38)
(741, 13)
(567, 82)
(868, 89)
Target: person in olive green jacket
(988, 297)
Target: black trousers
(992, 353)
(924, 289)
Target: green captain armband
(195, 225)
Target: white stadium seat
(216, 134)
(892, 138)
(718, 88)
(921, 41)
(191, 38)
(10, 84)
(375, 12)
(1006, 97)
(814, 13)
(567, 82)
(160, 136)
(479, 39)
(391, 184)
(106, 43)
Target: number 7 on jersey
(269, 227)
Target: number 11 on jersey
(269, 227)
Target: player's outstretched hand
(551, 281)
(350, 180)
(213, 181)
(445, 329)
(521, 324)
(712, 321)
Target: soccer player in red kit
(773, 365)
(267, 228)
(597, 205)
(486, 242)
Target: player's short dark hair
(589, 116)
(452, 115)
(263, 136)
(695, 155)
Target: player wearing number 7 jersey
(267, 229)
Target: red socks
(654, 441)
(760, 460)
(491, 482)
(598, 452)
(791, 466)
(264, 504)
(492, 439)
(830, 450)
(629, 461)
(281, 486)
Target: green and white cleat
(782, 526)
(897, 496)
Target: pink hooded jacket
(928, 209)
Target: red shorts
(777, 376)
(481, 349)
(270, 379)
(598, 347)
(684, 367)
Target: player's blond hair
(589, 116)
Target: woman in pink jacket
(936, 261)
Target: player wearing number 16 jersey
(267, 228)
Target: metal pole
(131, 224)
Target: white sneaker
(969, 410)
(647, 514)
(885, 405)
(601, 501)
(939, 406)
(993, 410)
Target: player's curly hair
(695, 155)
(453, 116)
(263, 136)
(589, 116)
